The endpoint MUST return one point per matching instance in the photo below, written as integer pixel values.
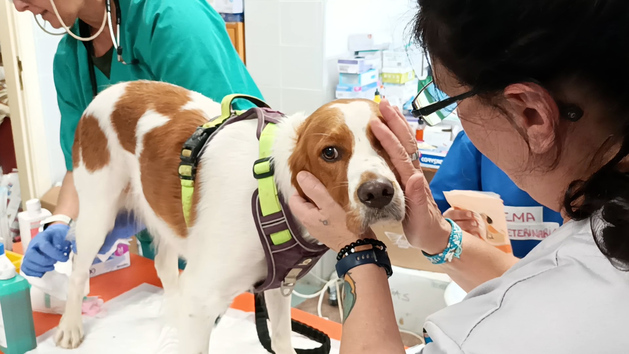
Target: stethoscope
(84, 28)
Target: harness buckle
(288, 284)
(263, 168)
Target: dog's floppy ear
(299, 159)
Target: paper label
(531, 231)
(3, 335)
(524, 214)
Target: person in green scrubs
(183, 42)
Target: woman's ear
(536, 114)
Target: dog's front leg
(202, 302)
(278, 307)
(91, 229)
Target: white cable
(47, 31)
(412, 334)
(111, 26)
(320, 303)
(78, 38)
(318, 293)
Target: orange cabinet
(236, 31)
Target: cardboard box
(373, 58)
(119, 259)
(49, 199)
(397, 76)
(353, 65)
(367, 78)
(403, 92)
(432, 158)
(368, 92)
(395, 58)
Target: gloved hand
(50, 246)
(126, 226)
(47, 248)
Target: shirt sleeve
(439, 342)
(460, 170)
(189, 46)
(70, 111)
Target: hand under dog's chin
(359, 222)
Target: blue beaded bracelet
(453, 249)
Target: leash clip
(288, 284)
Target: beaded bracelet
(351, 248)
(452, 250)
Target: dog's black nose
(376, 194)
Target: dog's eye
(330, 154)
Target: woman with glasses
(466, 168)
(183, 42)
(541, 87)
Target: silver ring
(414, 156)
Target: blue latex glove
(126, 226)
(47, 248)
(50, 246)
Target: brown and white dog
(126, 156)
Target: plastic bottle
(419, 130)
(17, 329)
(30, 221)
(377, 97)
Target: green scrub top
(183, 42)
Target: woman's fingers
(301, 208)
(398, 154)
(315, 190)
(399, 126)
(459, 215)
(470, 226)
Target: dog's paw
(70, 333)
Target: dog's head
(337, 146)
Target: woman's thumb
(416, 189)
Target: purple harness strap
(290, 261)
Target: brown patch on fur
(76, 147)
(324, 128)
(354, 222)
(159, 164)
(92, 144)
(139, 97)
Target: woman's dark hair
(491, 44)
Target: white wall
(292, 45)
(389, 21)
(45, 48)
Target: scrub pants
(148, 249)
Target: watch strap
(57, 218)
(372, 256)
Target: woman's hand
(324, 218)
(424, 226)
(468, 221)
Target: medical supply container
(17, 329)
(30, 221)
